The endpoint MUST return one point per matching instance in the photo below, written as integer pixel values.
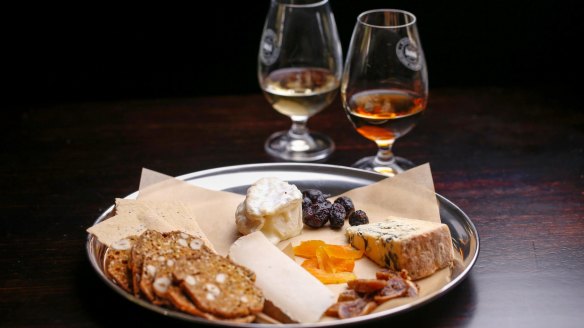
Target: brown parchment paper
(214, 210)
(410, 195)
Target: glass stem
(384, 155)
(299, 136)
(298, 129)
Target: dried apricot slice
(343, 252)
(323, 260)
(331, 264)
(331, 278)
(310, 263)
(341, 265)
(307, 248)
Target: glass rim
(406, 13)
(297, 5)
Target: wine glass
(299, 70)
(385, 84)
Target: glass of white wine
(299, 70)
(385, 84)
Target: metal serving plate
(328, 178)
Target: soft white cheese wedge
(272, 206)
(420, 247)
(287, 285)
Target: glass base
(392, 168)
(311, 147)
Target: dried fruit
(386, 274)
(358, 217)
(321, 214)
(324, 211)
(306, 202)
(311, 263)
(343, 252)
(317, 210)
(307, 248)
(330, 278)
(355, 308)
(363, 295)
(347, 204)
(331, 264)
(315, 216)
(347, 295)
(314, 195)
(367, 286)
(321, 199)
(395, 287)
(341, 265)
(337, 216)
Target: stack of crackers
(158, 252)
(178, 271)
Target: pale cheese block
(287, 285)
(420, 247)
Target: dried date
(358, 217)
(317, 210)
(337, 216)
(347, 204)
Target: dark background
(504, 136)
(104, 52)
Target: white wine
(300, 91)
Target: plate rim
(304, 166)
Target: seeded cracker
(116, 262)
(158, 262)
(165, 269)
(182, 303)
(146, 243)
(218, 286)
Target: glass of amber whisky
(384, 86)
(299, 71)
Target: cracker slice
(182, 303)
(158, 263)
(116, 263)
(218, 286)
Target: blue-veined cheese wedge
(420, 247)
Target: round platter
(328, 178)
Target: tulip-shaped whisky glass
(299, 71)
(385, 84)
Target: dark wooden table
(512, 159)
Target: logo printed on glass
(269, 49)
(408, 54)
